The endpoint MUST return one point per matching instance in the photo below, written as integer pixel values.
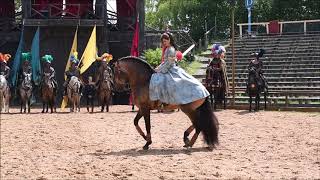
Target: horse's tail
(207, 123)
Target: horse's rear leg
(257, 103)
(29, 105)
(224, 101)
(250, 102)
(21, 102)
(107, 104)
(265, 100)
(7, 104)
(43, 106)
(186, 134)
(51, 106)
(148, 129)
(92, 104)
(136, 124)
(102, 105)
(194, 138)
(88, 104)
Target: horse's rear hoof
(210, 147)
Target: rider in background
(4, 69)
(218, 63)
(257, 64)
(73, 71)
(26, 66)
(104, 60)
(48, 69)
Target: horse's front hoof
(210, 147)
(146, 146)
(186, 142)
(187, 146)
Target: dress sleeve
(169, 60)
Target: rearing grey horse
(4, 94)
(25, 92)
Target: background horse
(74, 94)
(4, 94)
(25, 92)
(138, 73)
(48, 93)
(105, 89)
(214, 85)
(254, 90)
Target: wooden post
(26, 8)
(233, 58)
(305, 27)
(240, 30)
(287, 100)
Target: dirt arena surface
(262, 145)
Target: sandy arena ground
(263, 145)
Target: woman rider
(171, 84)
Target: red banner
(135, 42)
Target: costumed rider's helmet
(106, 57)
(217, 49)
(47, 58)
(74, 58)
(4, 58)
(26, 57)
(258, 54)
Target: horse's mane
(138, 60)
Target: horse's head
(131, 70)
(74, 84)
(215, 77)
(120, 75)
(27, 81)
(3, 82)
(107, 74)
(47, 79)
(252, 81)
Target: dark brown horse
(138, 73)
(104, 91)
(254, 90)
(216, 88)
(48, 93)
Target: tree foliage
(192, 15)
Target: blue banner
(249, 4)
(17, 60)
(35, 60)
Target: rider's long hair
(169, 36)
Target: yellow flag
(89, 54)
(73, 51)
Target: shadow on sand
(139, 152)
